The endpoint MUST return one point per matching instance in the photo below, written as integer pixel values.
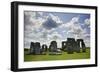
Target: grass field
(64, 56)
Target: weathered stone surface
(44, 47)
(77, 47)
(81, 45)
(31, 47)
(35, 48)
(70, 45)
(64, 44)
(53, 50)
(53, 46)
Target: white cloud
(30, 13)
(87, 22)
(73, 27)
(75, 19)
(32, 19)
(55, 18)
(34, 30)
(40, 13)
(54, 36)
(51, 21)
(74, 30)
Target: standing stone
(37, 48)
(53, 48)
(64, 44)
(31, 47)
(44, 47)
(70, 45)
(77, 49)
(81, 45)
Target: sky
(45, 27)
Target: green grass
(64, 56)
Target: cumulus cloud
(74, 30)
(52, 21)
(87, 22)
(55, 18)
(49, 24)
(40, 13)
(37, 29)
(32, 27)
(55, 35)
(73, 27)
(31, 19)
(45, 29)
(75, 20)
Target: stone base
(55, 53)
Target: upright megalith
(70, 45)
(31, 47)
(35, 48)
(44, 49)
(64, 44)
(81, 45)
(77, 47)
(53, 48)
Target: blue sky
(65, 17)
(45, 27)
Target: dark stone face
(53, 43)
(44, 47)
(73, 46)
(82, 45)
(37, 45)
(64, 44)
(70, 45)
(35, 48)
(53, 46)
(70, 39)
(31, 47)
(77, 47)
